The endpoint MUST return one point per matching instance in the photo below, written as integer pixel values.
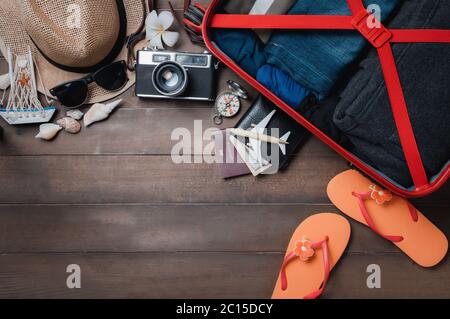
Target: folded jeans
(318, 59)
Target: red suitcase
(379, 38)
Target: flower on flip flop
(379, 195)
(303, 249)
(157, 27)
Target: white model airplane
(252, 152)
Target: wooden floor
(112, 201)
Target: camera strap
(138, 36)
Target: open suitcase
(381, 39)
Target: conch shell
(75, 114)
(48, 131)
(69, 125)
(99, 112)
(4, 82)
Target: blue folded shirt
(318, 59)
(282, 85)
(243, 47)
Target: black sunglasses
(112, 77)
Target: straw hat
(71, 38)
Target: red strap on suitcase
(241, 21)
(380, 37)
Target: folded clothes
(364, 112)
(246, 49)
(317, 59)
(282, 85)
(243, 47)
(321, 115)
(360, 117)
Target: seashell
(48, 131)
(69, 125)
(75, 114)
(4, 82)
(99, 112)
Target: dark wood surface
(111, 200)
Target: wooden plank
(141, 226)
(205, 275)
(155, 179)
(166, 228)
(146, 131)
(140, 132)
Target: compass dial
(228, 104)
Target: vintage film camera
(175, 75)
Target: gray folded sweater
(364, 112)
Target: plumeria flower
(157, 27)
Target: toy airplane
(256, 136)
(252, 152)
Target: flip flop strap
(326, 268)
(326, 263)
(413, 212)
(362, 205)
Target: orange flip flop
(390, 216)
(315, 248)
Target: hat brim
(14, 36)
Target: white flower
(157, 27)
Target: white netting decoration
(23, 98)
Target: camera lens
(170, 79)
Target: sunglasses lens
(71, 94)
(112, 77)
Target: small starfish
(24, 80)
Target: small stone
(75, 114)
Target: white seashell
(69, 125)
(4, 82)
(75, 114)
(99, 112)
(48, 131)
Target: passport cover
(260, 109)
(229, 162)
